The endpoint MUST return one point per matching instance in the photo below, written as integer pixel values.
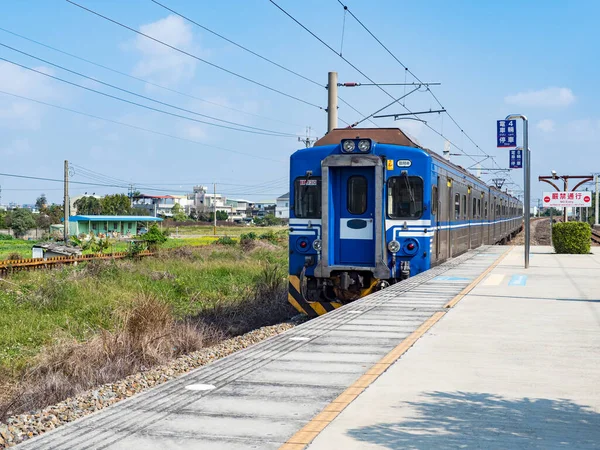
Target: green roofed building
(113, 226)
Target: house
(114, 226)
(156, 205)
(51, 250)
(263, 208)
(239, 210)
(282, 209)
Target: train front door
(354, 216)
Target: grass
(222, 230)
(76, 302)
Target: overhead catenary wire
(252, 52)
(361, 72)
(145, 97)
(145, 81)
(407, 70)
(141, 105)
(191, 55)
(135, 127)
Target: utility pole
(308, 141)
(596, 207)
(332, 95)
(526, 182)
(215, 209)
(66, 205)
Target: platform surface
(514, 365)
(265, 394)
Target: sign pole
(527, 181)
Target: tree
(43, 220)
(139, 211)
(21, 221)
(41, 202)
(3, 216)
(221, 215)
(88, 205)
(179, 213)
(116, 204)
(56, 213)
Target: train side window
(434, 200)
(307, 197)
(465, 211)
(479, 208)
(485, 210)
(405, 197)
(457, 206)
(474, 208)
(357, 195)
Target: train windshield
(405, 197)
(307, 198)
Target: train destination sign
(567, 199)
(506, 133)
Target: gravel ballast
(21, 427)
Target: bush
(5, 237)
(155, 237)
(269, 236)
(571, 237)
(225, 240)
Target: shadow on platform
(470, 420)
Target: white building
(282, 209)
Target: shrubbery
(5, 237)
(571, 237)
(225, 240)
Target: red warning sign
(567, 199)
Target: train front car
(358, 216)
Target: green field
(184, 236)
(77, 302)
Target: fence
(10, 265)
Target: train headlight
(317, 245)
(348, 146)
(393, 246)
(364, 145)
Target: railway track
(596, 236)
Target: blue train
(370, 207)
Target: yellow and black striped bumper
(311, 309)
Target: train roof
(393, 136)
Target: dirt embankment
(541, 233)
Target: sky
(492, 59)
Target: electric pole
(596, 206)
(215, 209)
(66, 204)
(308, 141)
(332, 91)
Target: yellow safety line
(310, 431)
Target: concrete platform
(516, 364)
(265, 394)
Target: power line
(414, 75)
(150, 83)
(360, 72)
(135, 127)
(151, 108)
(264, 58)
(197, 57)
(140, 95)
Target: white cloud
(546, 125)
(20, 113)
(550, 97)
(160, 63)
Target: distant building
(282, 209)
(51, 250)
(113, 226)
(263, 208)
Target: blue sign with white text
(516, 159)
(507, 133)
